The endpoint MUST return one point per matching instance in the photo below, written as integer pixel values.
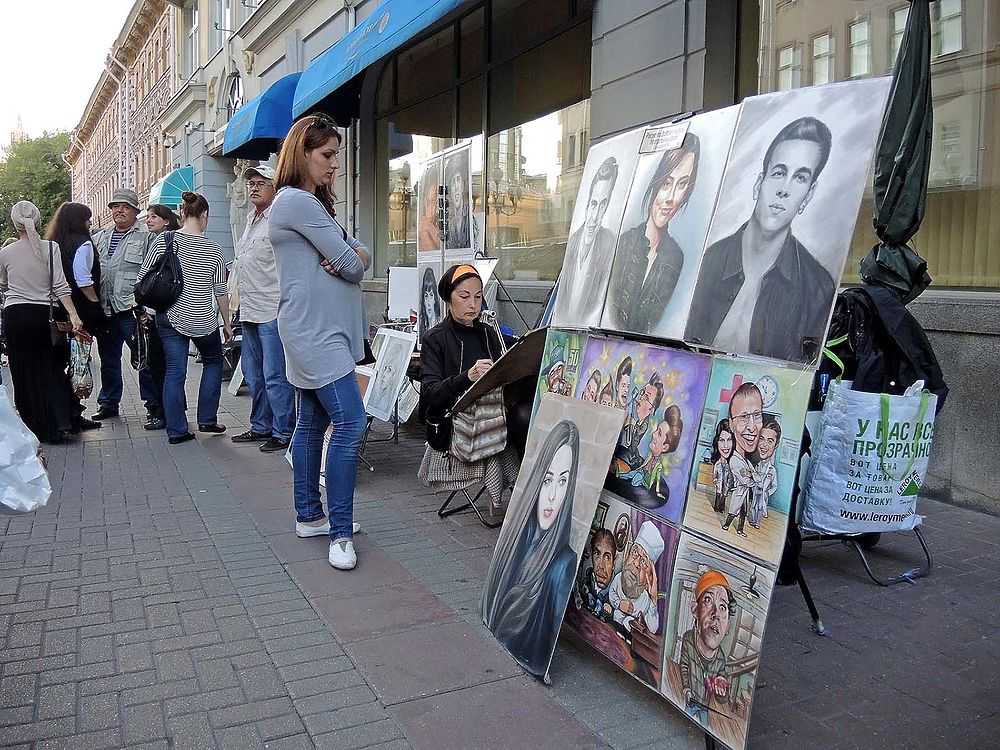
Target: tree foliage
(34, 171)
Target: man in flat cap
(121, 249)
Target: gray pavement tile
(362, 736)
(513, 713)
(389, 610)
(428, 660)
(98, 712)
(111, 738)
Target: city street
(162, 600)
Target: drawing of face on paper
(430, 307)
(392, 360)
(716, 611)
(619, 600)
(741, 483)
(428, 230)
(534, 565)
(661, 391)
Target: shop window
(822, 59)
(471, 52)
(529, 194)
(962, 219)
(470, 108)
(548, 78)
(404, 141)
(946, 27)
(426, 68)
(517, 24)
(191, 44)
(859, 53)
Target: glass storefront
(815, 41)
(446, 89)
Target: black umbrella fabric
(902, 163)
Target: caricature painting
(619, 599)
(716, 612)
(747, 453)
(560, 368)
(665, 222)
(533, 570)
(784, 220)
(661, 391)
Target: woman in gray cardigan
(322, 326)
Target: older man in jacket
(121, 249)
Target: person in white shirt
(262, 356)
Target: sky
(50, 59)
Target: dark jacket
(91, 313)
(442, 379)
(637, 304)
(790, 317)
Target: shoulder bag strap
(52, 289)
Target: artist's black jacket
(442, 379)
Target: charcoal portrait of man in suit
(760, 290)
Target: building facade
(117, 141)
(530, 84)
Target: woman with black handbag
(36, 294)
(191, 317)
(453, 355)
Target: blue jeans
(175, 351)
(262, 359)
(338, 403)
(121, 327)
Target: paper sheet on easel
(402, 292)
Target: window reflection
(532, 179)
(963, 207)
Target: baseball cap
(261, 170)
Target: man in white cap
(121, 250)
(262, 356)
(633, 593)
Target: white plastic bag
(869, 461)
(24, 484)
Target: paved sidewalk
(161, 600)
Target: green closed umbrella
(902, 163)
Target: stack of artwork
(700, 275)
(444, 226)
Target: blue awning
(168, 188)
(257, 128)
(392, 24)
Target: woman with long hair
(70, 229)
(35, 291)
(722, 475)
(430, 303)
(531, 576)
(193, 318)
(321, 321)
(427, 224)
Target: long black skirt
(43, 394)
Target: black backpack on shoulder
(162, 284)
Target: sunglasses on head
(322, 122)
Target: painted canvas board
(561, 361)
(392, 361)
(784, 220)
(429, 243)
(716, 612)
(458, 221)
(668, 212)
(531, 575)
(662, 392)
(622, 585)
(747, 453)
(593, 230)
(430, 307)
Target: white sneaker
(342, 555)
(319, 528)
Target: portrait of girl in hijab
(531, 575)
